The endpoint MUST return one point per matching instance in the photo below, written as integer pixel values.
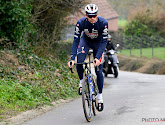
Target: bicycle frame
(88, 76)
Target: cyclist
(95, 34)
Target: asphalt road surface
(130, 99)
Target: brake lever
(71, 68)
(96, 66)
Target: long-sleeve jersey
(97, 32)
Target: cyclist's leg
(82, 51)
(100, 79)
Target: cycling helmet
(109, 36)
(91, 9)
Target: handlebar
(71, 68)
(111, 52)
(82, 63)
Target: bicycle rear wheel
(87, 101)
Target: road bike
(89, 90)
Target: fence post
(152, 48)
(164, 49)
(122, 45)
(140, 47)
(130, 45)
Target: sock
(81, 82)
(99, 96)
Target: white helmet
(91, 9)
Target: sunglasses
(90, 16)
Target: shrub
(15, 16)
(146, 21)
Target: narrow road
(130, 99)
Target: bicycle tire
(94, 97)
(87, 107)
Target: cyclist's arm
(76, 40)
(103, 41)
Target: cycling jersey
(97, 32)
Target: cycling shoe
(100, 105)
(80, 91)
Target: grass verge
(147, 52)
(30, 79)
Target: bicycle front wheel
(94, 95)
(87, 101)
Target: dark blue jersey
(97, 32)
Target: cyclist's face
(91, 20)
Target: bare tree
(123, 7)
(49, 16)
